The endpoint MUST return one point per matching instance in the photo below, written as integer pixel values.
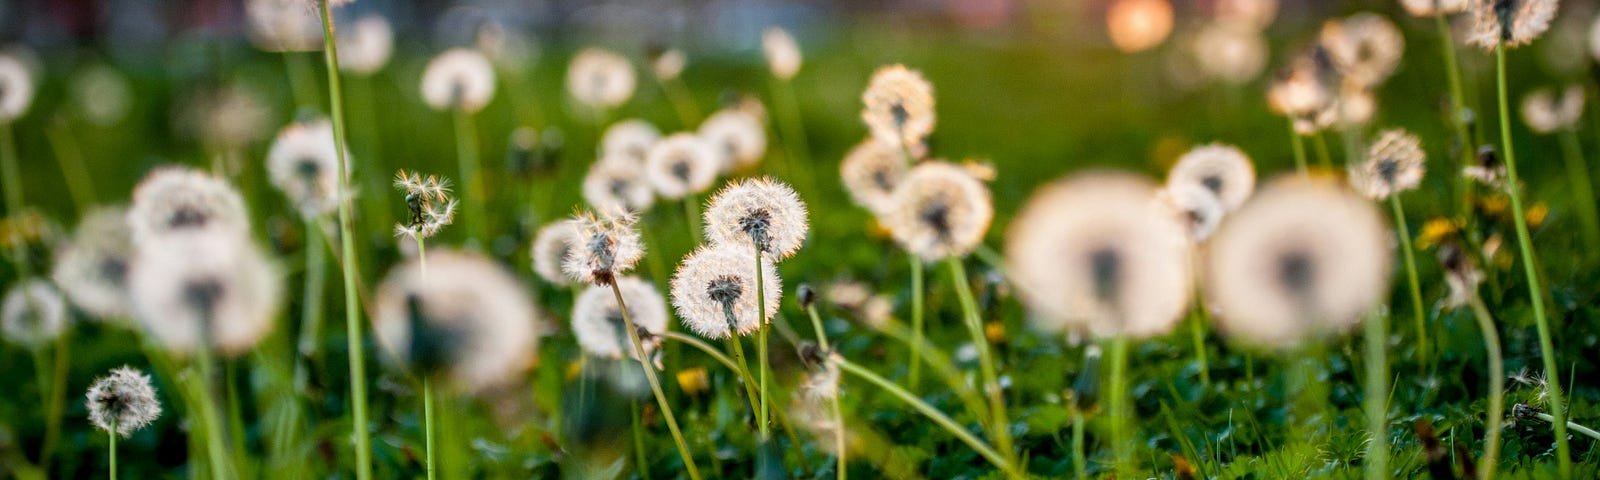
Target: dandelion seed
(681, 165)
(16, 88)
(898, 106)
(123, 402)
(33, 314)
(1138, 25)
(551, 246)
(1227, 51)
(1511, 23)
(1546, 113)
(92, 268)
(618, 182)
(428, 203)
(607, 245)
(1220, 168)
(1393, 165)
(304, 164)
(1434, 8)
(600, 79)
(715, 283)
(205, 287)
(173, 199)
(1365, 47)
(668, 64)
(467, 321)
(284, 25)
(782, 52)
(458, 79)
(365, 47)
(939, 212)
(630, 138)
(1098, 253)
(760, 212)
(736, 137)
(597, 320)
(870, 172)
(1277, 275)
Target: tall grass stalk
(1582, 188)
(1376, 331)
(347, 258)
(311, 305)
(1447, 47)
(1197, 331)
(1409, 255)
(944, 421)
(302, 80)
(1530, 269)
(471, 184)
(917, 288)
(838, 414)
(1497, 386)
(655, 385)
(640, 461)
(794, 133)
(1000, 426)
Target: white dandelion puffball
(870, 172)
(284, 25)
(1545, 112)
(1512, 23)
(92, 268)
(33, 314)
(737, 138)
(939, 211)
(365, 47)
(681, 165)
(1223, 169)
(600, 79)
(1200, 207)
(458, 79)
(231, 118)
(1098, 253)
(1394, 164)
(669, 64)
(16, 88)
(101, 93)
(715, 282)
(1434, 8)
(1305, 257)
(176, 199)
(304, 164)
(630, 138)
(597, 321)
(123, 402)
(898, 106)
(618, 182)
(608, 245)
(782, 52)
(1356, 105)
(551, 247)
(1255, 14)
(758, 212)
(201, 287)
(505, 46)
(462, 319)
(1365, 47)
(1230, 53)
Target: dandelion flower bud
(1393, 165)
(304, 164)
(714, 292)
(939, 212)
(173, 200)
(1277, 275)
(898, 106)
(365, 47)
(806, 295)
(600, 79)
(737, 138)
(428, 202)
(680, 165)
(1434, 8)
(466, 321)
(1098, 253)
(33, 314)
(16, 88)
(668, 64)
(458, 79)
(284, 25)
(1138, 25)
(607, 245)
(782, 52)
(597, 321)
(617, 182)
(1229, 52)
(123, 402)
(1544, 112)
(630, 138)
(1364, 47)
(870, 172)
(1511, 23)
(760, 212)
(551, 246)
(1222, 169)
(205, 288)
(92, 268)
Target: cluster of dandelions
(429, 206)
(637, 164)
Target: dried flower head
(761, 212)
(365, 47)
(304, 164)
(174, 199)
(1434, 8)
(1302, 258)
(737, 138)
(1511, 23)
(466, 321)
(1365, 48)
(428, 205)
(681, 165)
(92, 268)
(870, 173)
(597, 321)
(1138, 25)
(617, 182)
(600, 79)
(821, 381)
(898, 106)
(939, 211)
(1393, 165)
(1544, 112)
(16, 88)
(284, 25)
(205, 288)
(1223, 169)
(782, 52)
(458, 79)
(33, 314)
(607, 245)
(668, 64)
(714, 292)
(1098, 253)
(1200, 207)
(551, 247)
(123, 402)
(1232, 53)
(630, 138)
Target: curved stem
(941, 364)
(1585, 431)
(1409, 255)
(930, 412)
(991, 383)
(655, 385)
(1377, 396)
(427, 424)
(1497, 381)
(1080, 462)
(838, 414)
(916, 321)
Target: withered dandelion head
(737, 138)
(16, 88)
(304, 164)
(618, 182)
(123, 402)
(205, 288)
(365, 47)
(466, 321)
(1098, 253)
(1365, 47)
(631, 138)
(714, 292)
(681, 165)
(1394, 164)
(1304, 257)
(898, 106)
(939, 211)
(1223, 169)
(1434, 8)
(600, 79)
(1545, 112)
(92, 268)
(551, 247)
(597, 320)
(1511, 23)
(782, 52)
(1229, 52)
(1138, 25)
(870, 172)
(761, 212)
(1199, 207)
(607, 245)
(429, 207)
(458, 79)
(174, 199)
(32, 314)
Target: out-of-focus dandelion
(92, 268)
(597, 320)
(668, 64)
(1303, 92)
(681, 165)
(737, 139)
(631, 138)
(1486, 168)
(283, 25)
(600, 79)
(714, 292)
(1394, 164)
(428, 204)
(551, 247)
(1545, 112)
(1220, 168)
(1434, 8)
(1509, 23)
(229, 119)
(1232, 53)
(898, 106)
(33, 314)
(120, 404)
(458, 79)
(1201, 208)
(1364, 47)
(939, 212)
(1463, 278)
(173, 200)
(782, 52)
(205, 289)
(870, 172)
(16, 88)
(618, 182)
(100, 92)
(365, 47)
(761, 212)
(505, 46)
(607, 245)
(1138, 25)
(1357, 105)
(303, 163)
(1255, 14)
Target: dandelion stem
(744, 366)
(991, 383)
(1497, 380)
(60, 354)
(427, 424)
(794, 132)
(941, 364)
(347, 258)
(1117, 407)
(928, 410)
(1377, 395)
(838, 414)
(113, 449)
(1080, 462)
(1586, 431)
(691, 213)
(1447, 47)
(1582, 187)
(916, 321)
(1323, 159)
(1530, 269)
(210, 419)
(1299, 147)
(816, 324)
(761, 344)
(1409, 254)
(471, 184)
(311, 306)
(704, 347)
(1197, 330)
(655, 384)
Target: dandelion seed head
(1138, 25)
(504, 46)
(821, 382)
(782, 52)
(122, 402)
(600, 79)
(1356, 105)
(1098, 253)
(1199, 207)
(16, 87)
(464, 320)
(630, 138)
(304, 164)
(1365, 47)
(458, 79)
(898, 106)
(939, 211)
(172, 199)
(597, 321)
(1512, 23)
(366, 45)
(206, 287)
(551, 247)
(761, 212)
(681, 165)
(92, 268)
(737, 138)
(429, 205)
(1255, 14)
(618, 182)
(1434, 8)
(717, 279)
(1545, 112)
(284, 25)
(870, 172)
(1304, 92)
(100, 93)
(1220, 168)
(230, 118)
(1394, 164)
(669, 64)
(33, 314)
(607, 245)
(1230, 52)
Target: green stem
(1582, 188)
(113, 449)
(748, 380)
(794, 132)
(311, 307)
(72, 168)
(1586, 431)
(916, 321)
(838, 414)
(1299, 148)
(816, 324)
(1080, 462)
(427, 425)
(1117, 407)
(1323, 159)
(704, 347)
(1530, 269)
(655, 384)
(61, 354)
(1457, 104)
(347, 257)
(941, 365)
(761, 344)
(932, 413)
(378, 177)
(991, 383)
(1497, 380)
(211, 420)
(691, 213)
(1197, 330)
(1377, 396)
(302, 83)
(682, 102)
(641, 463)
(471, 184)
(1409, 255)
